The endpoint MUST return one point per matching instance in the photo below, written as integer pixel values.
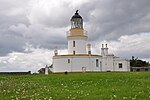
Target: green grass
(78, 86)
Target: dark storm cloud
(15, 38)
(24, 22)
(44, 23)
(30, 29)
(111, 19)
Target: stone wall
(15, 73)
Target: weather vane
(77, 11)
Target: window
(83, 69)
(146, 69)
(97, 63)
(73, 43)
(89, 52)
(138, 70)
(120, 65)
(68, 60)
(74, 52)
(101, 65)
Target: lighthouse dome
(76, 21)
(76, 15)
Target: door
(83, 69)
(100, 66)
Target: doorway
(83, 69)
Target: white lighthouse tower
(80, 57)
(76, 36)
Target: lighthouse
(76, 36)
(80, 57)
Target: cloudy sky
(30, 29)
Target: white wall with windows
(73, 63)
(121, 64)
(89, 63)
(77, 45)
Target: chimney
(106, 50)
(55, 51)
(102, 50)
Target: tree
(135, 62)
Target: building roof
(140, 67)
(76, 15)
(73, 55)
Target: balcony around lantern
(76, 32)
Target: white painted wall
(77, 63)
(61, 64)
(125, 64)
(107, 63)
(80, 45)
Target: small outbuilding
(140, 69)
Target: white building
(79, 57)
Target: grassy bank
(89, 86)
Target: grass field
(78, 86)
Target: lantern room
(76, 21)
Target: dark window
(97, 63)
(73, 43)
(138, 70)
(74, 52)
(89, 52)
(120, 65)
(68, 60)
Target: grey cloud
(16, 28)
(10, 45)
(50, 14)
(141, 55)
(15, 38)
(31, 61)
(112, 19)
(41, 23)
